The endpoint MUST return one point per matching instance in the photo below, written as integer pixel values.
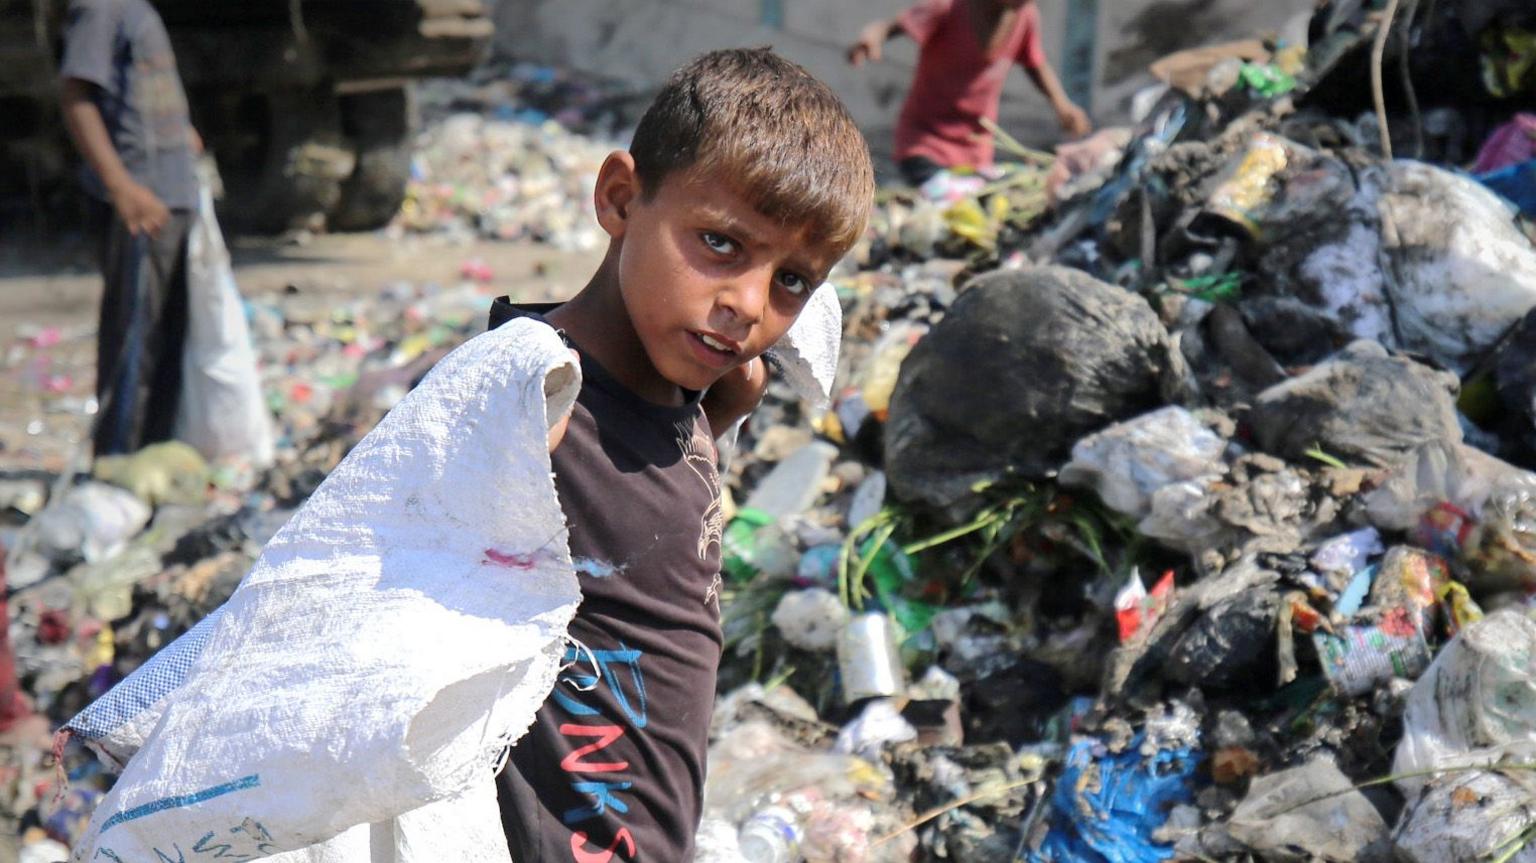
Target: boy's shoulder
(598, 386)
(503, 310)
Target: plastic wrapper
(835, 806)
(1283, 815)
(1251, 182)
(1128, 462)
(1360, 657)
(1468, 818)
(1468, 505)
(169, 472)
(877, 378)
(810, 619)
(1107, 805)
(93, 521)
(1476, 704)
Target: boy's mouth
(714, 350)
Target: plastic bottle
(754, 543)
(794, 483)
(771, 835)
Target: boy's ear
(618, 187)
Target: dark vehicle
(305, 103)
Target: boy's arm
(136, 205)
(871, 43)
(1074, 120)
(734, 396)
(92, 36)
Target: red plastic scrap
(1137, 608)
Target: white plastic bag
(1435, 472)
(222, 412)
(1128, 462)
(1464, 270)
(1475, 705)
(93, 520)
(1468, 817)
(1286, 812)
(395, 636)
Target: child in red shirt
(966, 48)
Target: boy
(746, 181)
(965, 48)
(127, 114)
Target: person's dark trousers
(142, 332)
(917, 170)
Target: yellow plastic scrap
(1464, 610)
(103, 651)
(1292, 59)
(168, 472)
(1509, 61)
(829, 427)
(412, 347)
(967, 220)
(998, 208)
(1245, 192)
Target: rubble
(1155, 515)
(514, 157)
(1187, 523)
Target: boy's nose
(744, 298)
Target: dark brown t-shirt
(613, 766)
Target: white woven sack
(391, 641)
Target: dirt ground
(49, 293)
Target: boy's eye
(718, 243)
(796, 286)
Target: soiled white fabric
(807, 355)
(390, 642)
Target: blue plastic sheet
(1106, 806)
(1516, 183)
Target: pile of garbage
(513, 154)
(1176, 500)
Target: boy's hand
(871, 44)
(139, 209)
(1074, 120)
(735, 395)
(557, 431)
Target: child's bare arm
(136, 205)
(871, 42)
(735, 395)
(1073, 119)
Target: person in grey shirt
(126, 111)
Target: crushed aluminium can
(868, 659)
(1361, 657)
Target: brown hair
(783, 138)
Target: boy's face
(709, 282)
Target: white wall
(643, 40)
